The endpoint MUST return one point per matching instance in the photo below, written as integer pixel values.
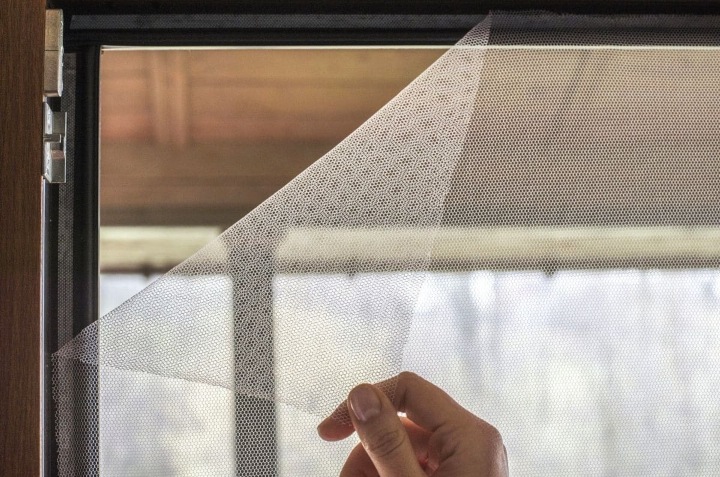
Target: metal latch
(54, 134)
(54, 121)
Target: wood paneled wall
(175, 97)
(201, 137)
(207, 135)
(21, 61)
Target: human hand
(438, 437)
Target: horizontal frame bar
(266, 30)
(157, 249)
(293, 30)
(427, 7)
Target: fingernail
(364, 402)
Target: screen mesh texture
(532, 224)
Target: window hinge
(54, 121)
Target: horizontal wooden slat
(199, 184)
(462, 248)
(314, 102)
(324, 67)
(499, 242)
(154, 248)
(278, 129)
(164, 215)
(250, 94)
(199, 162)
(161, 248)
(191, 195)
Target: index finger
(424, 403)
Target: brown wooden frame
(21, 70)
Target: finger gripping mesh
(511, 226)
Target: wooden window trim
(21, 63)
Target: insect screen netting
(533, 224)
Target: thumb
(382, 434)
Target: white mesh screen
(533, 224)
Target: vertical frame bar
(255, 418)
(71, 257)
(21, 86)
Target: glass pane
(146, 419)
(580, 369)
(191, 141)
